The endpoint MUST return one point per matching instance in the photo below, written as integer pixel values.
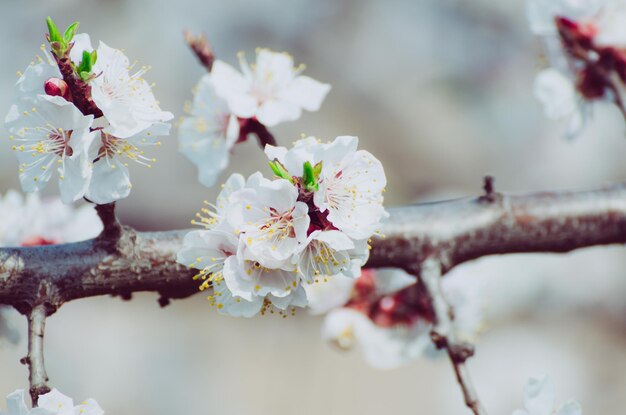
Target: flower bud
(57, 88)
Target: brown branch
(443, 333)
(37, 378)
(457, 231)
(252, 126)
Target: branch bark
(457, 230)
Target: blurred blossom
(389, 318)
(51, 403)
(539, 400)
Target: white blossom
(539, 400)
(271, 90)
(208, 134)
(51, 403)
(52, 135)
(125, 98)
(271, 221)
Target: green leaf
(85, 75)
(53, 32)
(317, 170)
(307, 175)
(70, 32)
(94, 58)
(85, 63)
(280, 171)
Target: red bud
(57, 88)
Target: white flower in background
(29, 220)
(125, 98)
(382, 347)
(208, 134)
(51, 403)
(539, 400)
(561, 101)
(389, 328)
(330, 294)
(271, 221)
(52, 135)
(272, 90)
(111, 179)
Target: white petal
(110, 181)
(90, 407)
(273, 112)
(57, 402)
(556, 92)
(570, 408)
(539, 396)
(16, 404)
(305, 92)
(392, 280)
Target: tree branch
(37, 378)
(443, 332)
(457, 231)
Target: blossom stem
(38, 378)
(111, 227)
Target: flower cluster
(51, 403)
(586, 44)
(388, 316)
(539, 400)
(227, 103)
(265, 238)
(84, 113)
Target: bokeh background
(441, 92)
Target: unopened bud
(57, 88)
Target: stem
(443, 332)
(37, 378)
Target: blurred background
(441, 92)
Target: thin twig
(444, 335)
(37, 378)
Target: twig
(37, 378)
(443, 332)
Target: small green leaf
(53, 32)
(280, 171)
(94, 58)
(85, 63)
(70, 32)
(307, 175)
(85, 75)
(317, 169)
